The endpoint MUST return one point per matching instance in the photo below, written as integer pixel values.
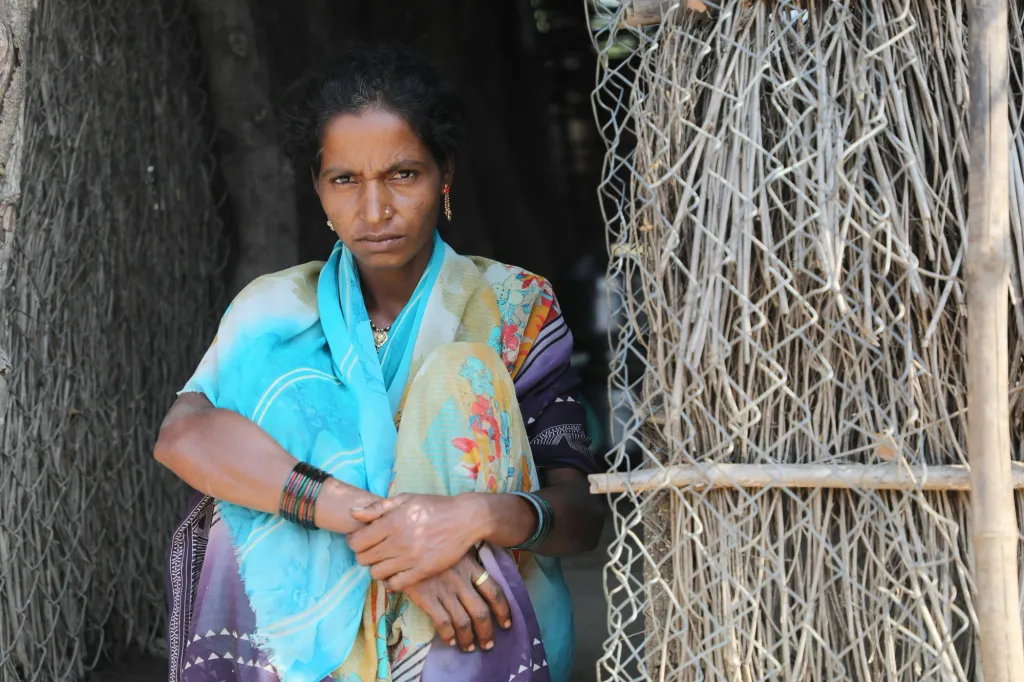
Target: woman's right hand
(461, 610)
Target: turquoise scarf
(305, 586)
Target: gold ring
(482, 579)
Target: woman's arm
(224, 455)
(509, 520)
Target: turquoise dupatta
(305, 586)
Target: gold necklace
(380, 336)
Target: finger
(437, 613)
(492, 593)
(480, 614)
(377, 554)
(375, 510)
(368, 536)
(388, 568)
(367, 514)
(403, 580)
(461, 621)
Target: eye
(342, 180)
(405, 175)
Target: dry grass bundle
(790, 233)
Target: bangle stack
(545, 522)
(298, 500)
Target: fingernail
(471, 649)
(507, 624)
(358, 508)
(488, 646)
(451, 642)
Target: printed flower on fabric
(510, 293)
(479, 376)
(505, 341)
(510, 337)
(514, 300)
(469, 464)
(495, 342)
(483, 423)
(529, 280)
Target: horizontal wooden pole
(750, 476)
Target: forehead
(370, 139)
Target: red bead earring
(448, 202)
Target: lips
(382, 242)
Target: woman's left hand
(410, 538)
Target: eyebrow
(396, 166)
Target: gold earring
(448, 202)
(330, 225)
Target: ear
(448, 173)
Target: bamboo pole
(750, 476)
(994, 523)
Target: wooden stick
(994, 522)
(749, 476)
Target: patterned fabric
(306, 398)
(558, 438)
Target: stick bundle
(790, 248)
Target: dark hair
(389, 78)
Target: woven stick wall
(105, 304)
(785, 196)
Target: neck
(386, 291)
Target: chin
(384, 260)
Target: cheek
(419, 204)
(336, 204)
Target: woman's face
(380, 187)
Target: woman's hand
(459, 608)
(410, 538)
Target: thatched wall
(788, 231)
(107, 299)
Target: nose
(374, 202)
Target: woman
(390, 437)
